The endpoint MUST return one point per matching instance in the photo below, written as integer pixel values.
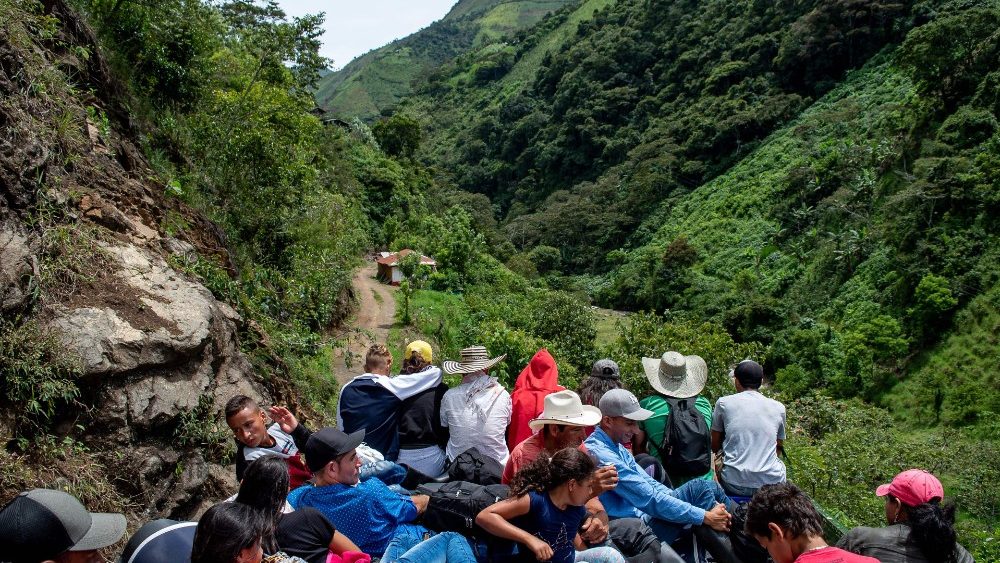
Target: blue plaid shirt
(368, 514)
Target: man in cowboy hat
(749, 429)
(677, 380)
(476, 412)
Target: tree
(398, 136)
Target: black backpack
(686, 448)
(454, 505)
(474, 467)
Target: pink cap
(913, 487)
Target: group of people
(596, 476)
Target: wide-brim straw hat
(676, 375)
(474, 358)
(565, 407)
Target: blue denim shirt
(637, 492)
(367, 513)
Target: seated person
(546, 509)
(161, 541)
(668, 512)
(255, 439)
(422, 437)
(49, 526)
(785, 522)
(538, 379)
(678, 380)
(561, 425)
(371, 401)
(476, 412)
(229, 533)
(920, 528)
(604, 376)
(305, 532)
(367, 512)
(749, 428)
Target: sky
(355, 27)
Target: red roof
(394, 258)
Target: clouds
(355, 27)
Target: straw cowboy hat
(676, 375)
(474, 358)
(565, 407)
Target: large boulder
(18, 267)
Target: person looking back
(749, 428)
(371, 401)
(920, 528)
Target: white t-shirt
(477, 415)
(752, 424)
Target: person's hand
(718, 518)
(605, 479)
(284, 417)
(542, 550)
(594, 530)
(421, 502)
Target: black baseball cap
(43, 523)
(328, 443)
(749, 372)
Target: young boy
(785, 522)
(254, 439)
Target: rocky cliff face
(85, 254)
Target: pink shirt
(523, 454)
(833, 555)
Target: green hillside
(379, 79)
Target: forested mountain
(816, 176)
(375, 82)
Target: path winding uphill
(376, 315)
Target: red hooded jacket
(538, 379)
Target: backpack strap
(674, 404)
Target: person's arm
(410, 384)
(595, 527)
(652, 497)
(495, 520)
(639, 441)
(290, 425)
(421, 502)
(340, 543)
(717, 440)
(781, 433)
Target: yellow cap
(421, 347)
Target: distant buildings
(388, 265)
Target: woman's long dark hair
(593, 388)
(265, 488)
(225, 530)
(414, 364)
(932, 529)
(545, 474)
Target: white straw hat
(474, 358)
(565, 407)
(676, 375)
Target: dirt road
(376, 315)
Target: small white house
(388, 265)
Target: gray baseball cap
(42, 523)
(605, 369)
(619, 402)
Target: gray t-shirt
(752, 424)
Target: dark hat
(328, 443)
(42, 523)
(749, 372)
(160, 541)
(605, 369)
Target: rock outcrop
(154, 344)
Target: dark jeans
(699, 492)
